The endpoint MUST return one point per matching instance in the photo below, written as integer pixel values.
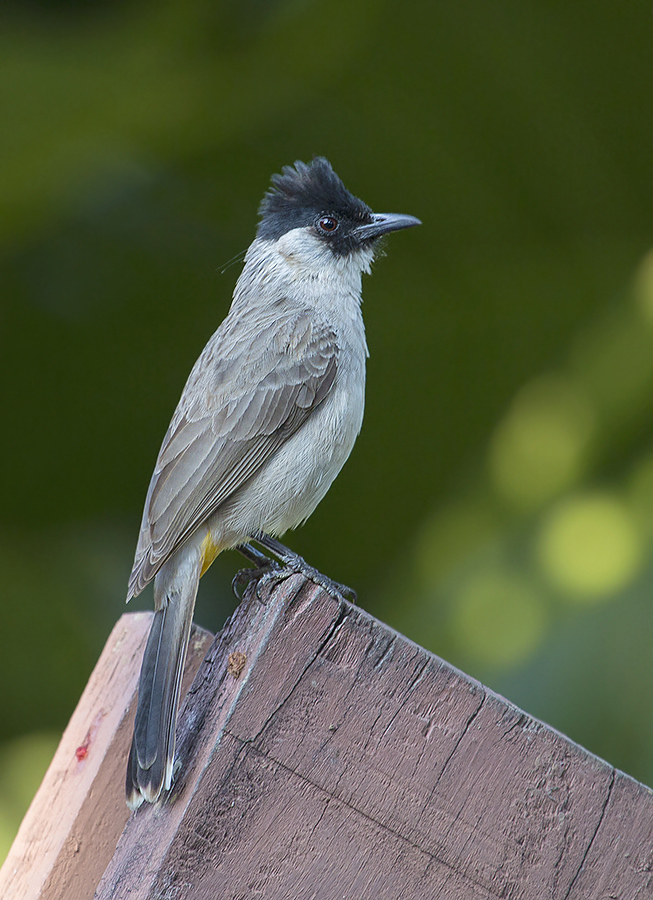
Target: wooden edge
(71, 828)
(203, 716)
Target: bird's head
(315, 220)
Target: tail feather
(151, 758)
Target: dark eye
(328, 224)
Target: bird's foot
(262, 575)
(294, 563)
(264, 571)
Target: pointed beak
(383, 223)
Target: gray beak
(383, 223)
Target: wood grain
(70, 831)
(339, 760)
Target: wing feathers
(234, 413)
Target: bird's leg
(254, 556)
(295, 563)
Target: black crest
(304, 192)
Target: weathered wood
(70, 831)
(326, 756)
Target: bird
(265, 422)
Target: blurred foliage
(23, 763)
(498, 507)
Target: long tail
(151, 758)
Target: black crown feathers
(303, 192)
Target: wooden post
(325, 756)
(70, 831)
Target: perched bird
(267, 419)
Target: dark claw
(261, 574)
(347, 592)
(240, 580)
(337, 590)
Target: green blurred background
(498, 506)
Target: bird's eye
(328, 224)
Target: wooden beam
(324, 755)
(70, 831)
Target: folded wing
(244, 398)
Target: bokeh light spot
(590, 546)
(539, 447)
(499, 619)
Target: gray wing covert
(243, 400)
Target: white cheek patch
(301, 248)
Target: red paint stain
(82, 751)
